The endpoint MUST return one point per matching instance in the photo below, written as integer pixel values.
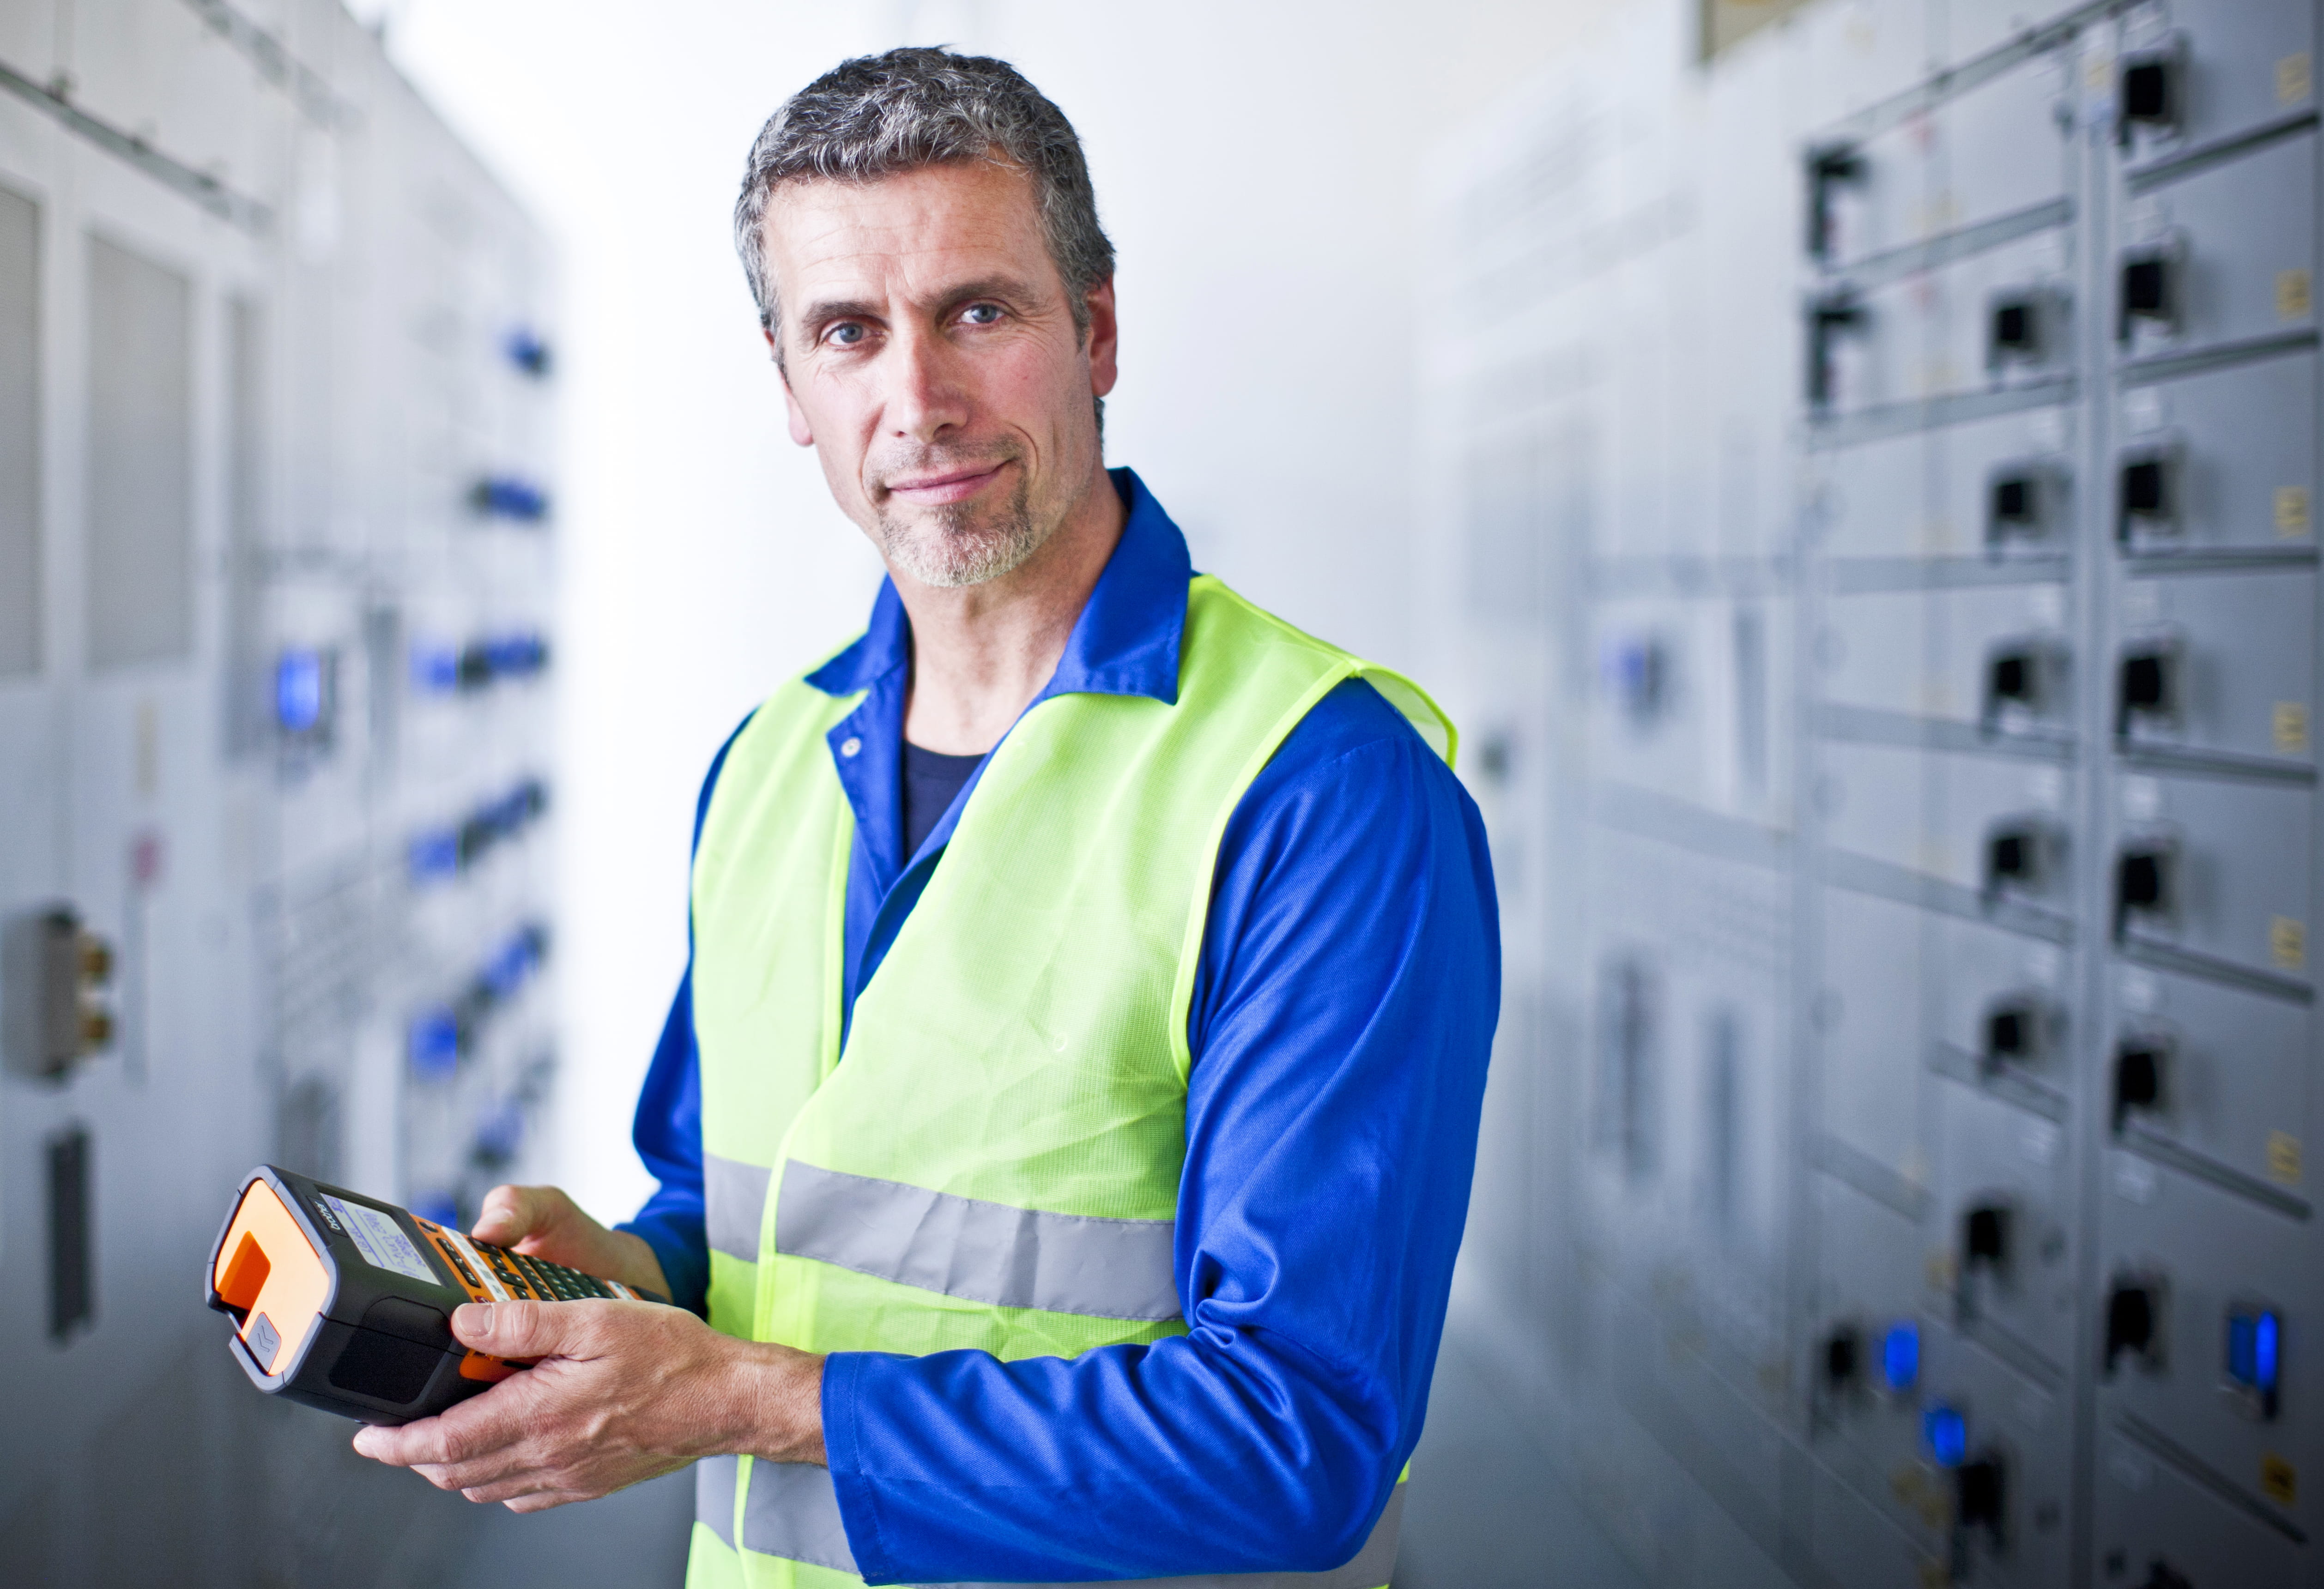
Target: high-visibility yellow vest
(996, 1165)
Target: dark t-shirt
(932, 781)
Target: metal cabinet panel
(2024, 1424)
(2154, 1518)
(1995, 661)
(2235, 863)
(1939, 814)
(2234, 248)
(1872, 1282)
(140, 571)
(2004, 149)
(2242, 64)
(2236, 452)
(1874, 1031)
(2201, 1254)
(1854, 1544)
(2231, 1073)
(2004, 1217)
(2238, 651)
(1867, 501)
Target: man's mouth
(956, 486)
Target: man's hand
(624, 1391)
(542, 1222)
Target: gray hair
(881, 116)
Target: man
(1066, 1121)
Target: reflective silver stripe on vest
(978, 1251)
(792, 1509)
(734, 1200)
(713, 1496)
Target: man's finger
(425, 1441)
(497, 1419)
(510, 1213)
(543, 1499)
(527, 1329)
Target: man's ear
(1105, 339)
(801, 432)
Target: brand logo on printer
(329, 1218)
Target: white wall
(1256, 166)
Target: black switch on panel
(2162, 1575)
(1984, 1237)
(2019, 502)
(1978, 1498)
(2011, 677)
(2013, 330)
(2017, 856)
(2141, 882)
(1827, 168)
(2147, 495)
(2134, 1322)
(2139, 1062)
(2147, 94)
(2017, 675)
(1829, 317)
(1843, 1355)
(2150, 290)
(72, 1277)
(2148, 689)
(2016, 1031)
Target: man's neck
(981, 653)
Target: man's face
(931, 359)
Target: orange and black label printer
(345, 1302)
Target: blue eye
(982, 314)
(846, 334)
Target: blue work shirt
(1342, 1016)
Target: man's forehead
(931, 221)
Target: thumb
(516, 1329)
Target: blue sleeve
(668, 1132)
(1344, 1010)
(667, 1129)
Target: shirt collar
(1124, 643)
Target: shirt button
(850, 745)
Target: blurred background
(1847, 465)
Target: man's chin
(953, 555)
(953, 560)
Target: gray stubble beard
(952, 551)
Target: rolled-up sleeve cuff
(681, 1250)
(843, 1449)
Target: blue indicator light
(1947, 1433)
(2255, 1350)
(433, 1043)
(434, 855)
(507, 497)
(299, 691)
(1900, 1356)
(434, 669)
(516, 960)
(527, 352)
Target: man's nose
(926, 395)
